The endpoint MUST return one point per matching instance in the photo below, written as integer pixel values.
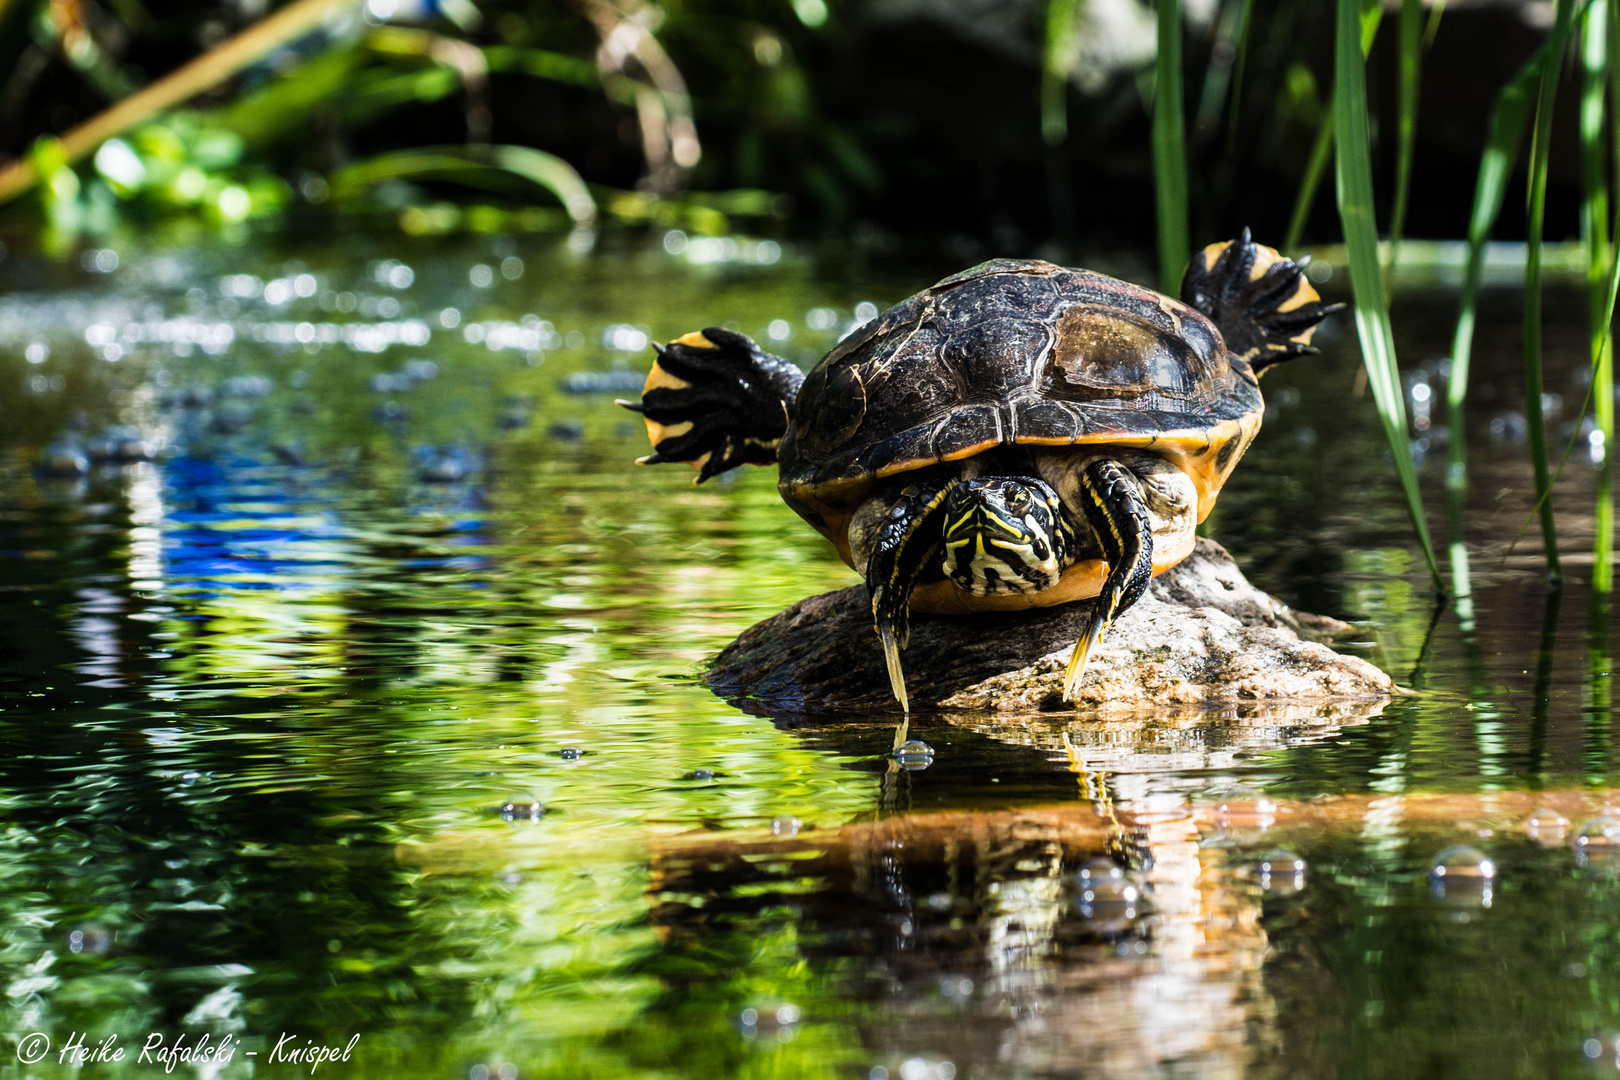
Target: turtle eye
(1018, 498)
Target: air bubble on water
(914, 755)
(701, 774)
(1546, 826)
(478, 1072)
(1597, 844)
(1281, 872)
(1463, 862)
(507, 1071)
(1463, 876)
(1601, 831)
(1106, 892)
(523, 808)
(787, 1014)
(958, 988)
(481, 276)
(570, 753)
(786, 825)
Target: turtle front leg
(906, 541)
(1111, 497)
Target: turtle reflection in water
(1020, 435)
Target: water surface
(371, 706)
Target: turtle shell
(1016, 352)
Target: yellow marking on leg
(1303, 295)
(1264, 259)
(1213, 253)
(659, 379)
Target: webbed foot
(715, 400)
(1262, 303)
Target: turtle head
(1005, 535)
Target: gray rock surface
(1202, 636)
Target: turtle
(1018, 435)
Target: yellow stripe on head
(695, 340)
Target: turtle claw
(1075, 674)
(897, 677)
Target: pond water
(371, 706)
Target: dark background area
(887, 122)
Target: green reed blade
(1602, 388)
(1057, 64)
(1322, 149)
(1599, 255)
(1356, 212)
(1536, 422)
(1503, 136)
(1235, 87)
(1170, 150)
(1411, 42)
(1432, 30)
(1218, 74)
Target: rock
(1201, 636)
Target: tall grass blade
(1599, 255)
(1603, 375)
(1241, 58)
(1503, 137)
(1218, 74)
(1057, 64)
(1170, 149)
(1536, 217)
(1322, 149)
(1356, 212)
(1411, 42)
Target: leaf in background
(479, 166)
(1356, 211)
(1170, 149)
